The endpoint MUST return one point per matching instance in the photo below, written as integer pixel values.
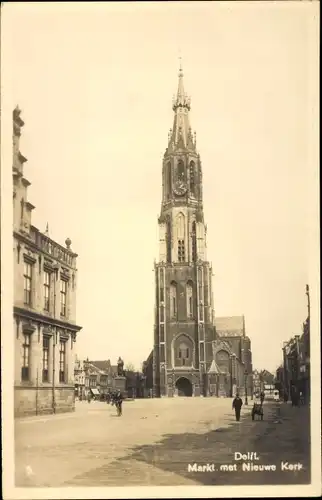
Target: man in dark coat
(237, 404)
(118, 402)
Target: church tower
(183, 330)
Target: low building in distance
(45, 284)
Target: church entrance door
(184, 387)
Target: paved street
(155, 440)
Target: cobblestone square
(154, 442)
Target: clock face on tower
(180, 188)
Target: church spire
(182, 100)
(181, 135)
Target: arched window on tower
(192, 178)
(189, 296)
(180, 171)
(183, 353)
(181, 240)
(173, 299)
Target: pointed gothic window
(183, 353)
(180, 171)
(180, 235)
(189, 294)
(173, 299)
(192, 178)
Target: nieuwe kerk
(194, 353)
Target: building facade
(293, 376)
(99, 377)
(79, 378)
(45, 282)
(187, 351)
(258, 385)
(232, 357)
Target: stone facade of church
(189, 357)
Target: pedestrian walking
(118, 403)
(237, 404)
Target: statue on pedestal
(120, 367)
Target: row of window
(26, 359)
(28, 277)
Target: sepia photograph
(160, 272)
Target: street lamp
(246, 400)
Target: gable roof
(101, 365)
(214, 368)
(234, 325)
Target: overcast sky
(95, 85)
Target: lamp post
(246, 400)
